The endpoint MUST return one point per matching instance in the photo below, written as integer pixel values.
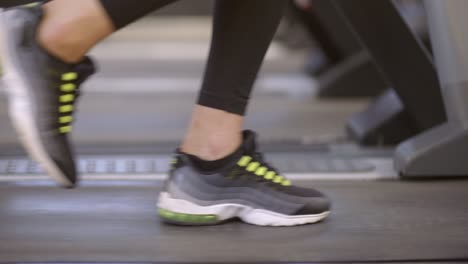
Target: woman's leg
(220, 173)
(69, 29)
(242, 32)
(66, 29)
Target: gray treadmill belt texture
(106, 222)
(156, 164)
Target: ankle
(53, 38)
(68, 34)
(213, 133)
(213, 146)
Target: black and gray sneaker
(248, 188)
(42, 93)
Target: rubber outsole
(183, 212)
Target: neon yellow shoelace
(260, 170)
(67, 99)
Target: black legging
(242, 32)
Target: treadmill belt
(117, 222)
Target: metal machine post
(443, 150)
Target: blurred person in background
(217, 173)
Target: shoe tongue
(249, 145)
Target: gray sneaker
(42, 93)
(248, 188)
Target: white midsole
(21, 111)
(231, 210)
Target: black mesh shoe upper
(248, 180)
(49, 87)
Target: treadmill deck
(117, 222)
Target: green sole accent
(187, 219)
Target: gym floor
(140, 97)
